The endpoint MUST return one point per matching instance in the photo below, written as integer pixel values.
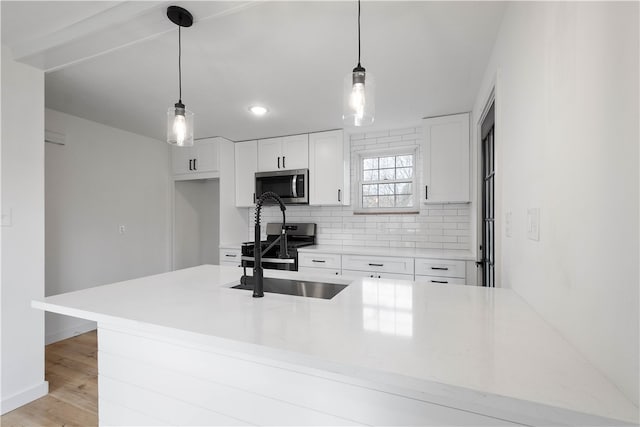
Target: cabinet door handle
(230, 256)
(254, 197)
(278, 162)
(440, 268)
(194, 165)
(339, 195)
(318, 260)
(190, 167)
(283, 166)
(376, 265)
(439, 281)
(426, 192)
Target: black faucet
(258, 290)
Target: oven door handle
(271, 260)
(294, 186)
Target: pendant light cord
(180, 62)
(358, 33)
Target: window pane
(404, 201)
(370, 190)
(386, 174)
(370, 163)
(370, 175)
(404, 161)
(386, 189)
(403, 188)
(404, 173)
(387, 162)
(370, 201)
(387, 201)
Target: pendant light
(359, 93)
(179, 119)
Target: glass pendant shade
(180, 126)
(359, 98)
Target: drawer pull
(231, 256)
(440, 268)
(318, 260)
(376, 265)
(439, 281)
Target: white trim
(81, 328)
(24, 397)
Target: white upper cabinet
(284, 153)
(328, 169)
(246, 165)
(446, 159)
(202, 157)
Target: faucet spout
(258, 287)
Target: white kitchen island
(182, 348)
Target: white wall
(567, 143)
(22, 233)
(100, 179)
(197, 223)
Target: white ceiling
(116, 62)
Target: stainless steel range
(281, 256)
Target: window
(386, 181)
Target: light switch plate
(6, 219)
(507, 224)
(533, 224)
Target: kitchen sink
(301, 288)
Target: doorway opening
(487, 175)
(196, 224)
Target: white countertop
(394, 252)
(487, 340)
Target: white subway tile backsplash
(437, 226)
(406, 131)
(373, 135)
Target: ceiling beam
(122, 25)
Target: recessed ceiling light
(258, 110)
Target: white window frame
(395, 151)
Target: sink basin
(301, 288)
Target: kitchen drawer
(435, 280)
(319, 260)
(319, 271)
(230, 263)
(376, 275)
(378, 264)
(230, 256)
(440, 267)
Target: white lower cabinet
(440, 271)
(230, 257)
(421, 270)
(319, 271)
(320, 263)
(378, 264)
(439, 280)
(376, 275)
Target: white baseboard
(24, 397)
(80, 328)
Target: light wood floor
(72, 371)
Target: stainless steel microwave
(291, 185)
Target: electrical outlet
(6, 219)
(122, 229)
(507, 224)
(533, 224)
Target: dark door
(487, 248)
